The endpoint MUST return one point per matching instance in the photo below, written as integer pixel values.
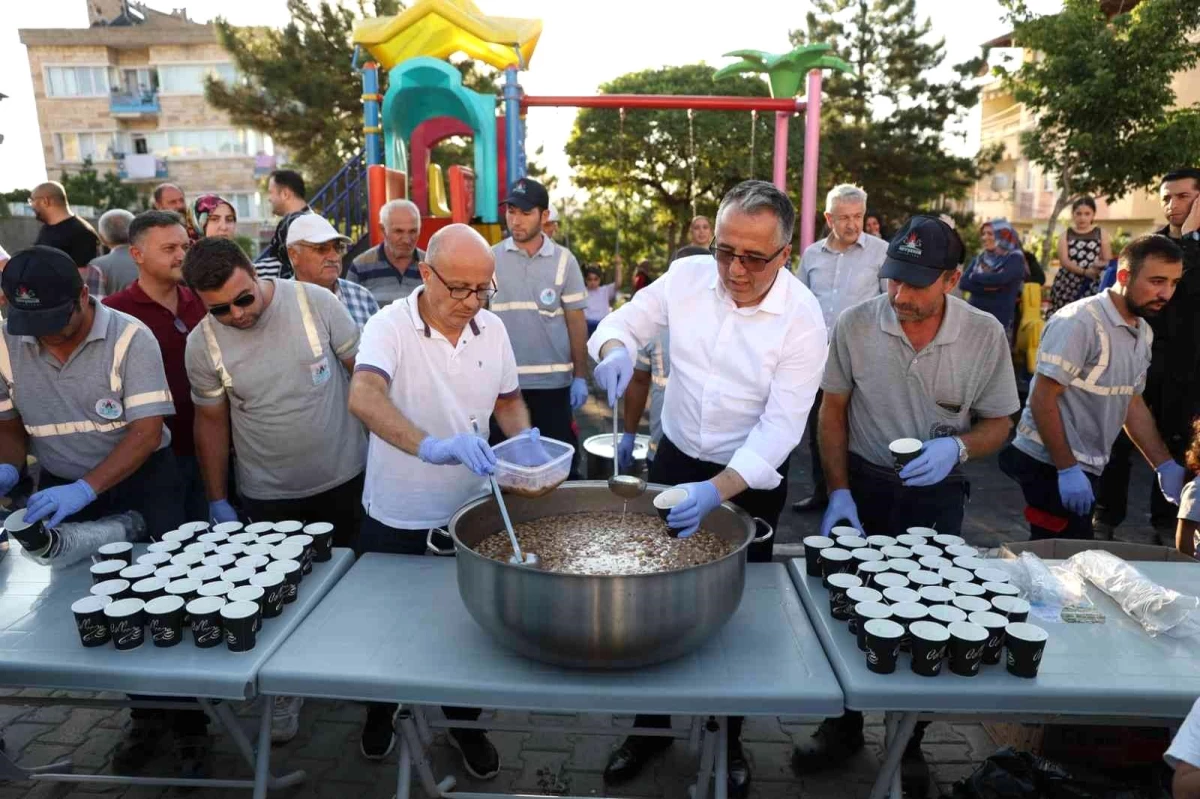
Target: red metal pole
(667, 101)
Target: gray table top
(39, 644)
(396, 630)
(1109, 669)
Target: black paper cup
(889, 579)
(170, 572)
(935, 563)
(869, 569)
(866, 555)
(971, 564)
(929, 641)
(665, 501)
(257, 549)
(948, 540)
(904, 451)
(150, 588)
(254, 563)
(229, 549)
(990, 574)
(33, 537)
(202, 547)
(206, 573)
(188, 559)
(924, 532)
(222, 560)
(114, 589)
(905, 613)
(857, 596)
(1013, 608)
(91, 621)
(946, 614)
(237, 576)
(126, 622)
(883, 644)
(117, 550)
(921, 551)
(839, 604)
(993, 590)
(322, 535)
(850, 542)
(205, 613)
(244, 539)
(835, 560)
(194, 528)
(909, 540)
(249, 593)
(968, 589)
(271, 539)
(994, 623)
(967, 642)
(1026, 643)
(934, 595)
(165, 616)
(971, 604)
(896, 552)
(180, 537)
(813, 545)
(294, 551)
(922, 578)
(213, 537)
(952, 574)
(106, 570)
(259, 528)
(228, 528)
(899, 594)
(136, 571)
(274, 586)
(170, 547)
(240, 621)
(865, 611)
(291, 526)
(292, 575)
(961, 551)
(186, 589)
(215, 588)
(880, 541)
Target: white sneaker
(285, 718)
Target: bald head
(52, 192)
(456, 246)
(169, 197)
(458, 265)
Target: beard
(1147, 310)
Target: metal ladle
(625, 486)
(518, 558)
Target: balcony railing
(133, 103)
(141, 166)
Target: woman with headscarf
(215, 217)
(994, 278)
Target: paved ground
(542, 763)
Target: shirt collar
(414, 316)
(952, 321)
(546, 250)
(773, 303)
(1114, 316)
(859, 243)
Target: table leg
(708, 750)
(694, 735)
(721, 777)
(404, 772)
(900, 728)
(423, 725)
(420, 757)
(262, 768)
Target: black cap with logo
(923, 250)
(528, 194)
(42, 285)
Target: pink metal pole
(812, 140)
(781, 148)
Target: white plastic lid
(258, 549)
(910, 540)
(953, 574)
(947, 540)
(236, 575)
(861, 593)
(90, 604)
(303, 539)
(164, 604)
(238, 610)
(244, 538)
(967, 589)
(231, 548)
(15, 522)
(902, 565)
(213, 537)
(316, 528)
(187, 558)
(938, 594)
(935, 563)
(880, 541)
(271, 539)
(252, 562)
(962, 550)
(171, 572)
(1011, 604)
(851, 542)
(1003, 589)
(835, 553)
(905, 446)
(867, 555)
(164, 546)
(177, 535)
(149, 584)
(897, 552)
(927, 551)
(220, 560)
(992, 575)
(922, 577)
(890, 579)
(201, 547)
(842, 529)
(154, 558)
(926, 532)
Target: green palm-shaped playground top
(785, 71)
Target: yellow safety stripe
(69, 428)
(545, 369)
(501, 307)
(573, 297)
(214, 355)
(561, 274)
(349, 345)
(147, 398)
(306, 317)
(123, 341)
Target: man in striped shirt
(315, 250)
(390, 271)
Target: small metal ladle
(625, 486)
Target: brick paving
(539, 763)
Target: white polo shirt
(438, 387)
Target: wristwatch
(962, 449)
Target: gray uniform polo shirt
(532, 294)
(897, 392)
(841, 279)
(76, 412)
(1102, 360)
(655, 358)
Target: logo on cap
(911, 245)
(519, 188)
(25, 295)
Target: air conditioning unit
(1001, 182)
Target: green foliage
(592, 233)
(883, 124)
(1100, 90)
(785, 72)
(248, 246)
(102, 192)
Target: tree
(607, 222)
(102, 192)
(1100, 89)
(658, 161)
(883, 125)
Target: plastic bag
(1020, 775)
(1158, 609)
(1044, 585)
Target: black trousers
(550, 412)
(672, 467)
(340, 506)
(375, 536)
(1045, 511)
(155, 490)
(814, 449)
(1112, 493)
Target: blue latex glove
(614, 373)
(625, 451)
(59, 502)
(841, 509)
(221, 511)
(9, 477)
(1171, 477)
(1075, 490)
(466, 449)
(579, 393)
(702, 499)
(938, 456)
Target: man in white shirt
(841, 270)
(747, 347)
(1184, 756)
(429, 366)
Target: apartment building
(128, 93)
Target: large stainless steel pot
(597, 621)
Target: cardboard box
(1063, 548)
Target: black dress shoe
(627, 760)
(915, 778)
(739, 771)
(811, 504)
(828, 747)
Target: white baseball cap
(313, 229)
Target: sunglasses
(244, 301)
(751, 263)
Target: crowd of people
(176, 377)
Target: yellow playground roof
(440, 28)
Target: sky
(582, 45)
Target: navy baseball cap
(528, 194)
(42, 285)
(924, 250)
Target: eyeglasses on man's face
(751, 263)
(460, 293)
(333, 247)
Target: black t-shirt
(73, 236)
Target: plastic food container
(521, 470)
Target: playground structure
(426, 103)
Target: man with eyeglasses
(315, 249)
(747, 346)
(431, 369)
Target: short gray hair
(114, 226)
(844, 193)
(756, 196)
(392, 205)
